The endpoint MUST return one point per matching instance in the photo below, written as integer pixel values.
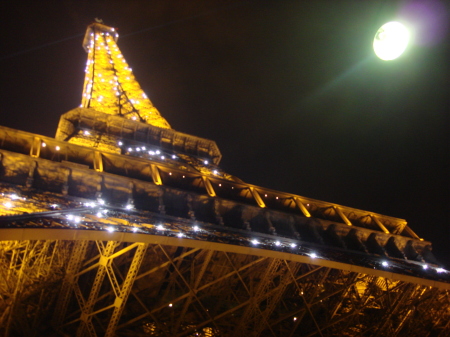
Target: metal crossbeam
(277, 296)
(73, 266)
(125, 289)
(86, 325)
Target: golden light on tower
(391, 41)
(110, 86)
(122, 226)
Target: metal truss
(112, 288)
(122, 273)
(30, 271)
(174, 246)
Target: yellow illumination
(110, 86)
(390, 40)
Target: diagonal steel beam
(86, 326)
(125, 289)
(249, 315)
(188, 301)
(275, 294)
(308, 304)
(187, 284)
(77, 256)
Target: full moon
(390, 40)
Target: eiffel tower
(122, 226)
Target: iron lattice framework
(122, 226)
(116, 288)
(110, 85)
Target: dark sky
(290, 91)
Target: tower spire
(110, 86)
(116, 116)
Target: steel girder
(30, 271)
(111, 288)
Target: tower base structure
(87, 252)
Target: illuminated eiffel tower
(122, 226)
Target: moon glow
(390, 40)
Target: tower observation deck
(123, 226)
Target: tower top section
(109, 85)
(116, 116)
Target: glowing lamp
(390, 41)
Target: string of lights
(99, 215)
(109, 85)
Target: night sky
(290, 90)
